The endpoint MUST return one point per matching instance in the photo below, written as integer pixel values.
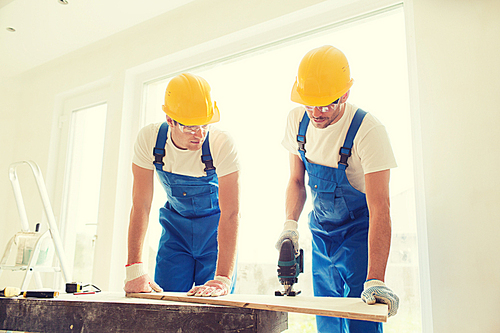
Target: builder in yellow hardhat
(347, 155)
(199, 170)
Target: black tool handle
(41, 294)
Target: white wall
(457, 47)
(456, 89)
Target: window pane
(83, 187)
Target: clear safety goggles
(193, 129)
(322, 109)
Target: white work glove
(138, 280)
(377, 292)
(220, 286)
(289, 231)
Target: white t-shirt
(186, 162)
(371, 151)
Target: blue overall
(187, 252)
(339, 226)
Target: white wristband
(134, 271)
(290, 224)
(374, 283)
(225, 280)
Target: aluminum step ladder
(29, 245)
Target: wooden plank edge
(260, 306)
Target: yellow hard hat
(323, 77)
(188, 101)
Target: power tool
(290, 265)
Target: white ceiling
(47, 29)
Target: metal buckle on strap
(345, 153)
(159, 153)
(209, 164)
(301, 140)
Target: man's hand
(138, 281)
(218, 287)
(377, 292)
(289, 231)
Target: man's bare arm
(296, 190)
(142, 196)
(379, 236)
(229, 202)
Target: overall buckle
(209, 164)
(301, 140)
(345, 153)
(159, 153)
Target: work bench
(113, 312)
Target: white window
(82, 188)
(253, 95)
(81, 135)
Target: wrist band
(225, 280)
(134, 271)
(373, 283)
(291, 224)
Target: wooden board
(113, 312)
(345, 307)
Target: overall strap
(301, 136)
(159, 149)
(345, 150)
(206, 157)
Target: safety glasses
(193, 129)
(323, 109)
